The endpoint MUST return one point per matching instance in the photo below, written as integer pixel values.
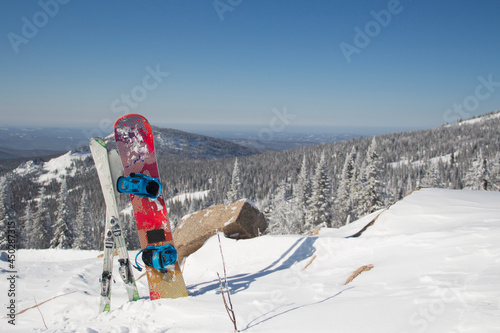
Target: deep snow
(436, 257)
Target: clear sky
(265, 63)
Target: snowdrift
(436, 268)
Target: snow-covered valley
(436, 268)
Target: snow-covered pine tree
(234, 192)
(194, 205)
(63, 235)
(302, 192)
(343, 203)
(27, 225)
(431, 177)
(478, 175)
(371, 198)
(284, 217)
(356, 195)
(40, 234)
(485, 175)
(320, 203)
(409, 184)
(84, 239)
(495, 172)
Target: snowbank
(436, 257)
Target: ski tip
(98, 140)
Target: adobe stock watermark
(11, 272)
(223, 6)
(277, 124)
(372, 29)
(31, 27)
(128, 101)
(482, 92)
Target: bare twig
(310, 262)
(357, 272)
(41, 314)
(227, 302)
(37, 305)
(315, 231)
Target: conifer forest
(61, 205)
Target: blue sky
(243, 63)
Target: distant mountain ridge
(37, 142)
(6, 153)
(292, 141)
(27, 143)
(176, 143)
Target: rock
(239, 220)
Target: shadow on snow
(302, 249)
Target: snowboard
(108, 170)
(134, 139)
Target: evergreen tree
(371, 192)
(63, 235)
(478, 175)
(39, 236)
(495, 173)
(28, 226)
(432, 177)
(343, 201)
(356, 196)
(409, 184)
(321, 199)
(485, 175)
(302, 192)
(234, 193)
(284, 217)
(84, 239)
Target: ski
(108, 172)
(134, 139)
(107, 271)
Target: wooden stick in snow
(227, 302)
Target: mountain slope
(435, 257)
(184, 145)
(169, 143)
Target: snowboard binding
(158, 257)
(140, 185)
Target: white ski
(108, 171)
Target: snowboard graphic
(134, 139)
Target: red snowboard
(134, 139)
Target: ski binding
(158, 257)
(140, 185)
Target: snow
(129, 210)
(189, 196)
(27, 168)
(56, 168)
(436, 268)
(445, 159)
(478, 119)
(250, 202)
